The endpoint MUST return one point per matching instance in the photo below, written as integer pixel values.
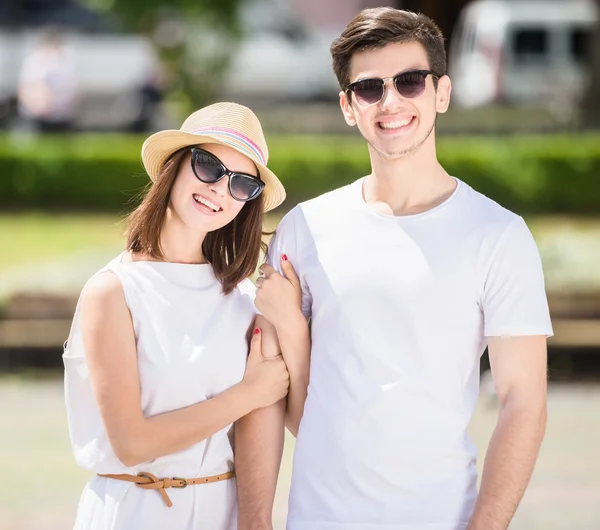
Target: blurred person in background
(407, 275)
(157, 370)
(47, 92)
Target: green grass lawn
(570, 247)
(34, 236)
(570, 250)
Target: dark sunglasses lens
(244, 188)
(410, 84)
(369, 91)
(206, 167)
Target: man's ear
(347, 109)
(442, 94)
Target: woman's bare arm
(259, 438)
(110, 350)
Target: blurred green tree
(195, 39)
(591, 102)
(223, 12)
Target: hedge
(528, 174)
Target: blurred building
(284, 55)
(334, 13)
(116, 75)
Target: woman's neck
(179, 243)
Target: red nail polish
(256, 331)
(284, 257)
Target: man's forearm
(259, 438)
(295, 346)
(296, 400)
(509, 464)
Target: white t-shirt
(400, 307)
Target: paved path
(45, 484)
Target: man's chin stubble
(406, 152)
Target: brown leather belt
(148, 481)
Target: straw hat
(228, 124)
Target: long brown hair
(377, 27)
(233, 250)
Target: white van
(522, 51)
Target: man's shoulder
(491, 227)
(484, 212)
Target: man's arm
(279, 298)
(519, 369)
(259, 438)
(295, 346)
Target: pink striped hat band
(233, 137)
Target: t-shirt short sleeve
(288, 240)
(247, 290)
(514, 298)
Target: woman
(156, 363)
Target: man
(407, 274)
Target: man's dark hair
(377, 27)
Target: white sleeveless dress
(191, 346)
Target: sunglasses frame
(384, 80)
(196, 151)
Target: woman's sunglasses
(410, 84)
(209, 169)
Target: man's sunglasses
(410, 84)
(209, 169)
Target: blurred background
(83, 82)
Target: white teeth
(395, 124)
(206, 202)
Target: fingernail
(256, 331)
(284, 257)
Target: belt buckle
(184, 480)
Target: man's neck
(411, 184)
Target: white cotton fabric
(401, 308)
(191, 346)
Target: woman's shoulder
(105, 285)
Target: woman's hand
(266, 379)
(279, 298)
